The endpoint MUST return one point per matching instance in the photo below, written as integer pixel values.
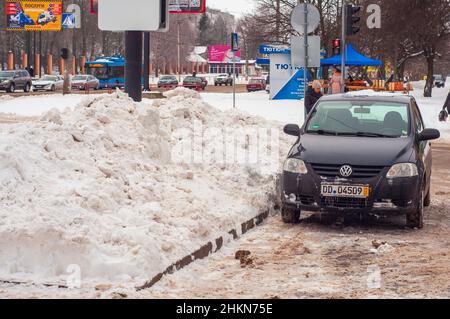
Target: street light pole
(343, 42)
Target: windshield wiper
(322, 132)
(367, 134)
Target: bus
(109, 70)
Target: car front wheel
(12, 88)
(414, 219)
(290, 216)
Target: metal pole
(305, 69)
(234, 79)
(178, 51)
(146, 61)
(133, 64)
(343, 42)
(40, 52)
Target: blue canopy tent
(352, 58)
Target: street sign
(76, 10)
(274, 49)
(298, 18)
(68, 21)
(262, 61)
(298, 51)
(187, 6)
(234, 42)
(286, 81)
(130, 15)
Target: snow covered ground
(121, 190)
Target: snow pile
(101, 187)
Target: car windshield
(255, 81)
(6, 74)
(168, 78)
(357, 118)
(79, 78)
(191, 79)
(222, 76)
(49, 78)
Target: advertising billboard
(286, 82)
(33, 15)
(223, 53)
(187, 6)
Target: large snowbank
(104, 186)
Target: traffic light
(352, 19)
(336, 46)
(64, 53)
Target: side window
(418, 122)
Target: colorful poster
(34, 15)
(223, 53)
(187, 6)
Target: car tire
(11, 89)
(53, 88)
(427, 199)
(290, 216)
(27, 88)
(414, 219)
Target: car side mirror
(292, 129)
(429, 134)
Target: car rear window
(358, 117)
(6, 74)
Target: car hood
(4, 79)
(79, 82)
(352, 150)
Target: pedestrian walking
(443, 115)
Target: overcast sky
(236, 7)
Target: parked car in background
(439, 80)
(85, 82)
(10, 81)
(193, 82)
(256, 84)
(167, 81)
(204, 81)
(360, 155)
(49, 83)
(222, 79)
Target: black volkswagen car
(360, 154)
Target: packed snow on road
(115, 191)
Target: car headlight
(294, 165)
(403, 170)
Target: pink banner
(222, 53)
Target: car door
(59, 83)
(424, 147)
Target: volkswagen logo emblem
(346, 171)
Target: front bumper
(391, 196)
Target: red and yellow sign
(34, 15)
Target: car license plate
(354, 191)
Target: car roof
(369, 96)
